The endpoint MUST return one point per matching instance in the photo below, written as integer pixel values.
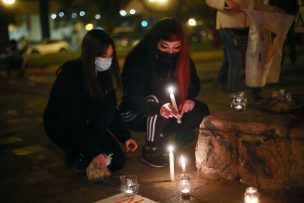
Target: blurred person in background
(290, 7)
(13, 59)
(233, 29)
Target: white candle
(185, 193)
(171, 162)
(183, 163)
(250, 199)
(173, 101)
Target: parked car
(49, 47)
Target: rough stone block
(262, 149)
(264, 162)
(297, 155)
(216, 155)
(248, 122)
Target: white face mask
(102, 64)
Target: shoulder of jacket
(71, 70)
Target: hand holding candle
(171, 162)
(173, 101)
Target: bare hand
(131, 145)
(234, 6)
(168, 111)
(100, 161)
(187, 106)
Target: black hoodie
(141, 79)
(72, 115)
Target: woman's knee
(201, 108)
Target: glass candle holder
(251, 195)
(238, 101)
(183, 182)
(282, 96)
(129, 185)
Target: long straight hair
(94, 43)
(167, 29)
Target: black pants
(107, 145)
(158, 127)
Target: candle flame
(170, 148)
(171, 89)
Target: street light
(192, 22)
(158, 2)
(8, 2)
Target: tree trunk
(44, 18)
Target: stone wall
(262, 150)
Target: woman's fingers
(168, 111)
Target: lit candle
(186, 193)
(173, 101)
(183, 162)
(129, 188)
(171, 161)
(238, 107)
(185, 186)
(251, 195)
(129, 191)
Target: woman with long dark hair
(81, 116)
(159, 60)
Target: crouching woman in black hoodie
(159, 60)
(81, 116)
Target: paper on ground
(121, 198)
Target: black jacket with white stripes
(145, 85)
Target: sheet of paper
(121, 198)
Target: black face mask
(166, 57)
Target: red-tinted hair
(166, 29)
(182, 66)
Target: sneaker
(80, 166)
(153, 158)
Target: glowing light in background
(8, 2)
(97, 16)
(81, 13)
(61, 14)
(158, 1)
(74, 15)
(144, 23)
(89, 26)
(122, 12)
(53, 16)
(132, 11)
(192, 22)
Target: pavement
(32, 167)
